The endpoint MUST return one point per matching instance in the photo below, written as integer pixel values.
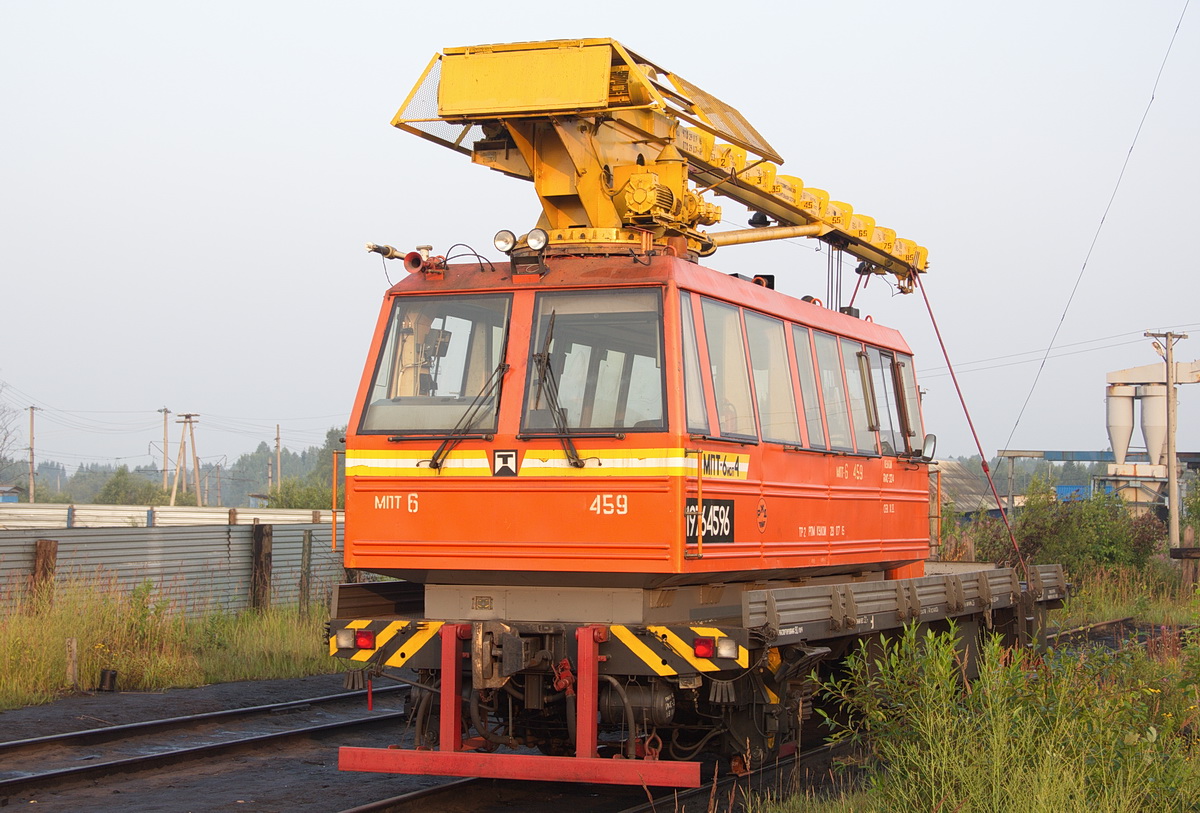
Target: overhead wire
(942, 371)
(1138, 333)
(1099, 227)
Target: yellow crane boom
(622, 152)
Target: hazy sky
(186, 188)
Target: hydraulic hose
(484, 731)
(630, 720)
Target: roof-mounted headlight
(504, 240)
(537, 239)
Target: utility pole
(32, 472)
(190, 419)
(165, 412)
(1168, 353)
(278, 460)
(180, 463)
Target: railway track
(1119, 634)
(93, 754)
(729, 793)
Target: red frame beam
(522, 766)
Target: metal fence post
(305, 570)
(260, 566)
(45, 562)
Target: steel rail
(1086, 629)
(462, 789)
(383, 805)
(674, 800)
(18, 784)
(115, 731)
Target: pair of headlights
(506, 241)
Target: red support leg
(587, 697)
(450, 731)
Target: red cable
(854, 295)
(986, 470)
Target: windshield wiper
(548, 386)
(473, 412)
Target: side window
(772, 379)
(731, 381)
(911, 400)
(693, 386)
(858, 382)
(837, 408)
(883, 379)
(810, 395)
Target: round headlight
(537, 239)
(504, 240)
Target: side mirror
(928, 446)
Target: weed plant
(1081, 535)
(1095, 731)
(142, 635)
(1154, 594)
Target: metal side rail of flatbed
(823, 612)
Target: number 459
(610, 504)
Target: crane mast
(622, 154)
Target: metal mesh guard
(420, 114)
(731, 124)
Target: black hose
(571, 717)
(691, 751)
(630, 720)
(484, 731)
(422, 714)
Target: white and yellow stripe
(415, 463)
(539, 463)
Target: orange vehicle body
(506, 506)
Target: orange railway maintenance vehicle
(626, 504)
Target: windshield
(601, 362)
(438, 356)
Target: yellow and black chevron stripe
(397, 643)
(667, 650)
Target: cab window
(439, 360)
(596, 362)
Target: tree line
(304, 480)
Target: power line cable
(1099, 227)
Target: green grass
(141, 635)
(1095, 731)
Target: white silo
(1154, 420)
(1119, 403)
